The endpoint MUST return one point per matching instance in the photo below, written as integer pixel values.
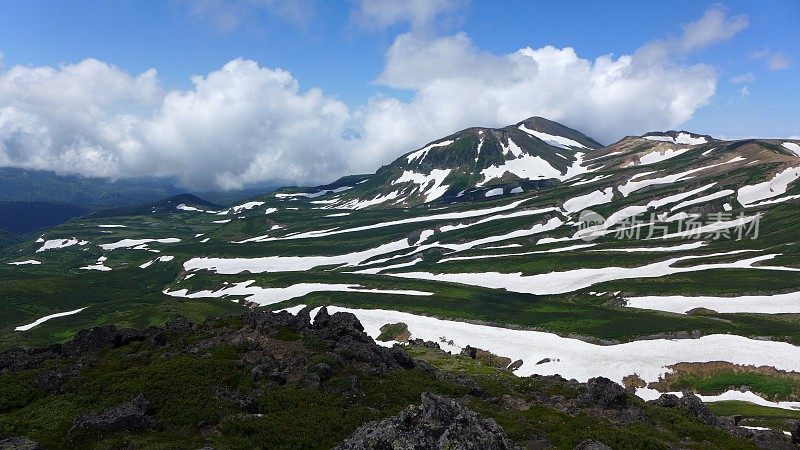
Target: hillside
(278, 380)
(665, 262)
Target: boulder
(604, 393)
(437, 423)
(131, 416)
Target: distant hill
(21, 185)
(23, 217)
(162, 206)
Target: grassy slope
(181, 390)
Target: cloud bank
(245, 123)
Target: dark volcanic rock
(131, 416)
(97, 338)
(438, 423)
(53, 380)
(15, 359)
(19, 443)
(180, 324)
(604, 393)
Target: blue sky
(344, 49)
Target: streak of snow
(788, 303)
(46, 318)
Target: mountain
(475, 162)
(667, 263)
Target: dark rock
(277, 378)
(698, 409)
(243, 401)
(19, 443)
(589, 444)
(796, 433)
(16, 359)
(53, 380)
(423, 343)
(324, 371)
(159, 338)
(667, 401)
(353, 387)
(311, 381)
(515, 365)
(131, 416)
(97, 338)
(401, 357)
(438, 423)
(766, 439)
(469, 351)
(604, 393)
(179, 324)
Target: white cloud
(456, 85)
(240, 124)
(744, 92)
(773, 60)
(244, 123)
(712, 28)
(419, 14)
(743, 78)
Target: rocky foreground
(278, 380)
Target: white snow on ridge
(683, 138)
(768, 189)
(577, 279)
(493, 192)
(535, 252)
(52, 244)
(590, 180)
(591, 199)
(672, 248)
(573, 358)
(289, 263)
(112, 226)
(658, 156)
(100, 265)
(524, 166)
(46, 318)
(245, 206)
(165, 258)
(551, 139)
(703, 199)
(314, 194)
(361, 204)
(788, 303)
(31, 262)
(184, 207)
(430, 185)
(423, 152)
(269, 296)
(791, 146)
(434, 217)
(128, 243)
